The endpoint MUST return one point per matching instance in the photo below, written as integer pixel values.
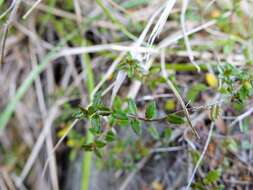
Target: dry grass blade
(43, 110)
(8, 10)
(119, 80)
(7, 113)
(57, 145)
(159, 25)
(5, 34)
(134, 52)
(201, 156)
(13, 8)
(105, 47)
(174, 90)
(31, 9)
(53, 113)
(172, 39)
(186, 39)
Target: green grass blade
(87, 156)
(115, 21)
(134, 3)
(8, 111)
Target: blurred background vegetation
(101, 94)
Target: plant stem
(87, 156)
(176, 93)
(206, 107)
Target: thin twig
(5, 34)
(201, 156)
(43, 110)
(14, 9)
(242, 116)
(8, 10)
(58, 144)
(186, 39)
(38, 145)
(178, 96)
(31, 9)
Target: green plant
(97, 111)
(236, 83)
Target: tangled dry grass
(55, 56)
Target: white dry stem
(135, 54)
(43, 110)
(109, 72)
(154, 34)
(168, 41)
(159, 26)
(134, 48)
(186, 39)
(78, 11)
(58, 144)
(209, 5)
(38, 145)
(242, 116)
(14, 7)
(52, 163)
(117, 84)
(52, 114)
(201, 157)
(2, 184)
(31, 9)
(104, 47)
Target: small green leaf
(98, 153)
(212, 176)
(167, 133)
(91, 110)
(93, 131)
(231, 144)
(81, 113)
(104, 111)
(246, 145)
(214, 112)
(96, 101)
(120, 115)
(110, 136)
(1, 2)
(136, 126)
(194, 91)
(153, 132)
(103, 108)
(175, 119)
(132, 106)
(99, 144)
(151, 110)
(123, 123)
(117, 103)
(88, 147)
(195, 156)
(198, 186)
(244, 126)
(95, 124)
